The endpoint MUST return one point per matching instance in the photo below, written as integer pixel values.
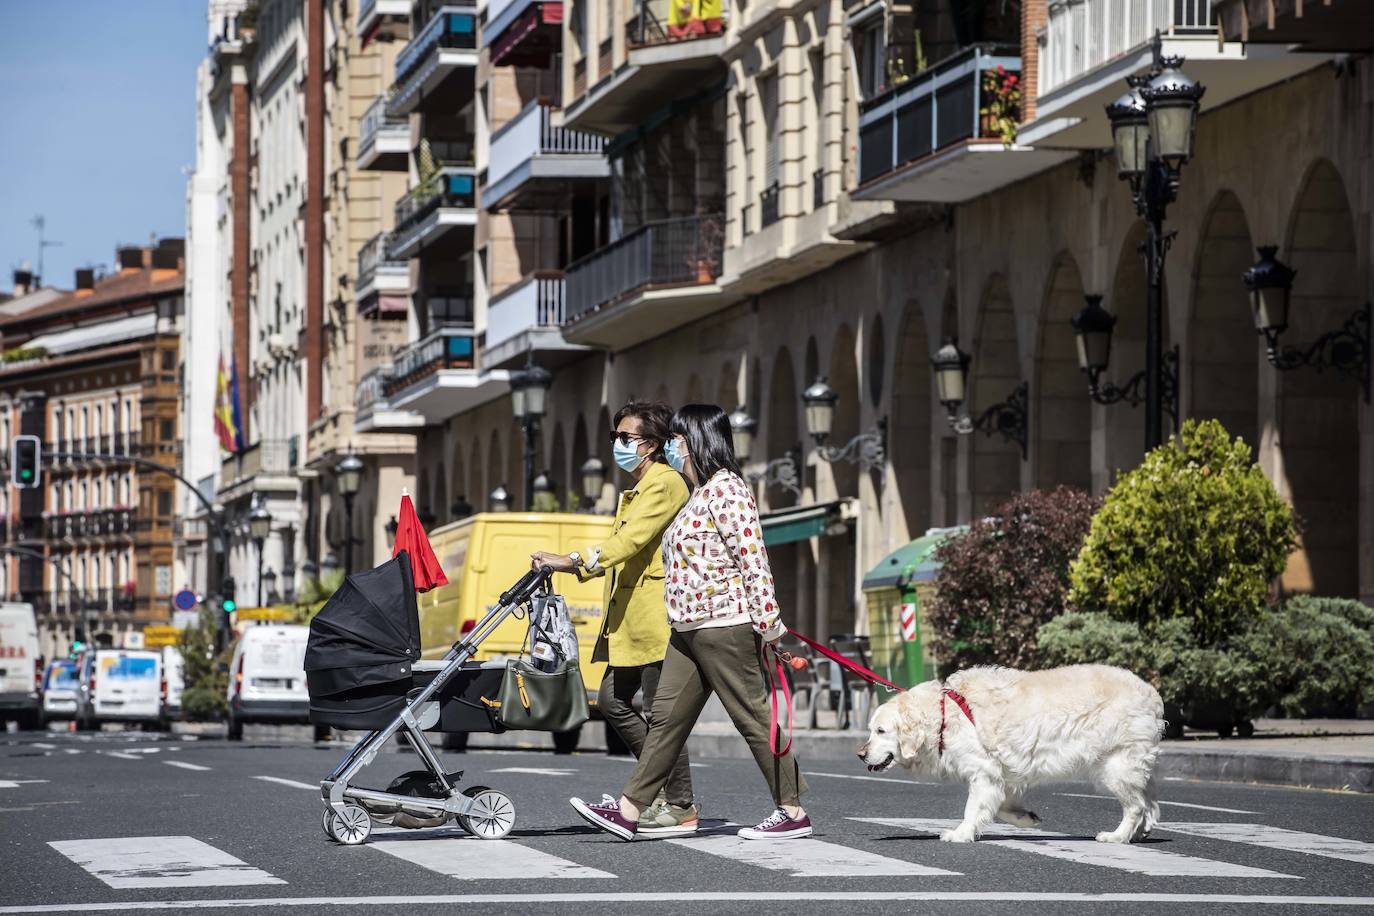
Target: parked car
(267, 678)
(173, 681)
(61, 690)
(120, 685)
(21, 666)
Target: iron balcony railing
(445, 152)
(444, 348)
(652, 23)
(532, 133)
(668, 252)
(376, 121)
(448, 27)
(373, 256)
(372, 388)
(1081, 35)
(268, 456)
(537, 301)
(448, 188)
(935, 109)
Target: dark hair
(707, 430)
(653, 417)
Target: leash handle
(777, 677)
(871, 676)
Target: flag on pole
(410, 537)
(240, 443)
(225, 429)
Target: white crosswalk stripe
(1134, 857)
(16, 783)
(1169, 804)
(803, 858)
(161, 861)
(181, 764)
(451, 852)
(289, 782)
(1314, 844)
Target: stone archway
(439, 504)
(1124, 426)
(477, 488)
(727, 387)
(557, 465)
(780, 420)
(694, 395)
(1223, 352)
(908, 434)
(1318, 412)
(459, 486)
(495, 469)
(1061, 422)
(996, 371)
(844, 379)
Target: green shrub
(207, 678)
(1197, 532)
(1313, 654)
(203, 704)
(1005, 576)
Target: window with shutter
(768, 99)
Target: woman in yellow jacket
(634, 632)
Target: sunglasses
(624, 438)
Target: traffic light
(227, 602)
(26, 461)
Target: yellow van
(485, 554)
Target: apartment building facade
(94, 373)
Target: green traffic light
(229, 606)
(26, 474)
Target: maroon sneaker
(607, 817)
(778, 826)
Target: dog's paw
(958, 835)
(1112, 836)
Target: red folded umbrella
(410, 537)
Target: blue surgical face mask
(673, 452)
(626, 455)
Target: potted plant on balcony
(1001, 105)
(705, 262)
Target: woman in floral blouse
(722, 610)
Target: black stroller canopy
(371, 624)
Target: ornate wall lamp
(951, 381)
(1346, 349)
(868, 449)
(782, 472)
(1092, 331)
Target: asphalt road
(223, 825)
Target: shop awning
(800, 523)
(913, 563)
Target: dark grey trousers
(618, 689)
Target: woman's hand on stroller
(557, 561)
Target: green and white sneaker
(662, 819)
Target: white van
(267, 677)
(61, 690)
(127, 687)
(21, 666)
(173, 681)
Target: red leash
(870, 676)
(777, 676)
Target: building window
(870, 55)
(769, 102)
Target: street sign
(157, 637)
(185, 599)
(264, 613)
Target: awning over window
(801, 522)
(86, 337)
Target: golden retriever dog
(1001, 731)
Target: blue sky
(97, 122)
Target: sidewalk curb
(1280, 768)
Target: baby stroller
(363, 670)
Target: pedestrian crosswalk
(183, 861)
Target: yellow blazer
(634, 630)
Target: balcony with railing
(533, 163)
(523, 33)
(383, 139)
(373, 412)
(437, 377)
(373, 13)
(264, 465)
(657, 278)
(382, 281)
(437, 69)
(666, 52)
(928, 140)
(527, 319)
(1332, 25)
(1087, 48)
(444, 202)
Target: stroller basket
(363, 671)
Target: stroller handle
(529, 583)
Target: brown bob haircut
(654, 418)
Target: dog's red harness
(959, 701)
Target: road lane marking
(1171, 804)
(16, 783)
(1135, 858)
(903, 782)
(44, 745)
(185, 766)
(121, 755)
(536, 771)
(803, 858)
(651, 898)
(160, 861)
(290, 782)
(458, 855)
(1313, 844)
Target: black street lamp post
(528, 389)
(349, 474)
(259, 529)
(1153, 126)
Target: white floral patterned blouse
(717, 572)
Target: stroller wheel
(492, 816)
(325, 818)
(352, 827)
